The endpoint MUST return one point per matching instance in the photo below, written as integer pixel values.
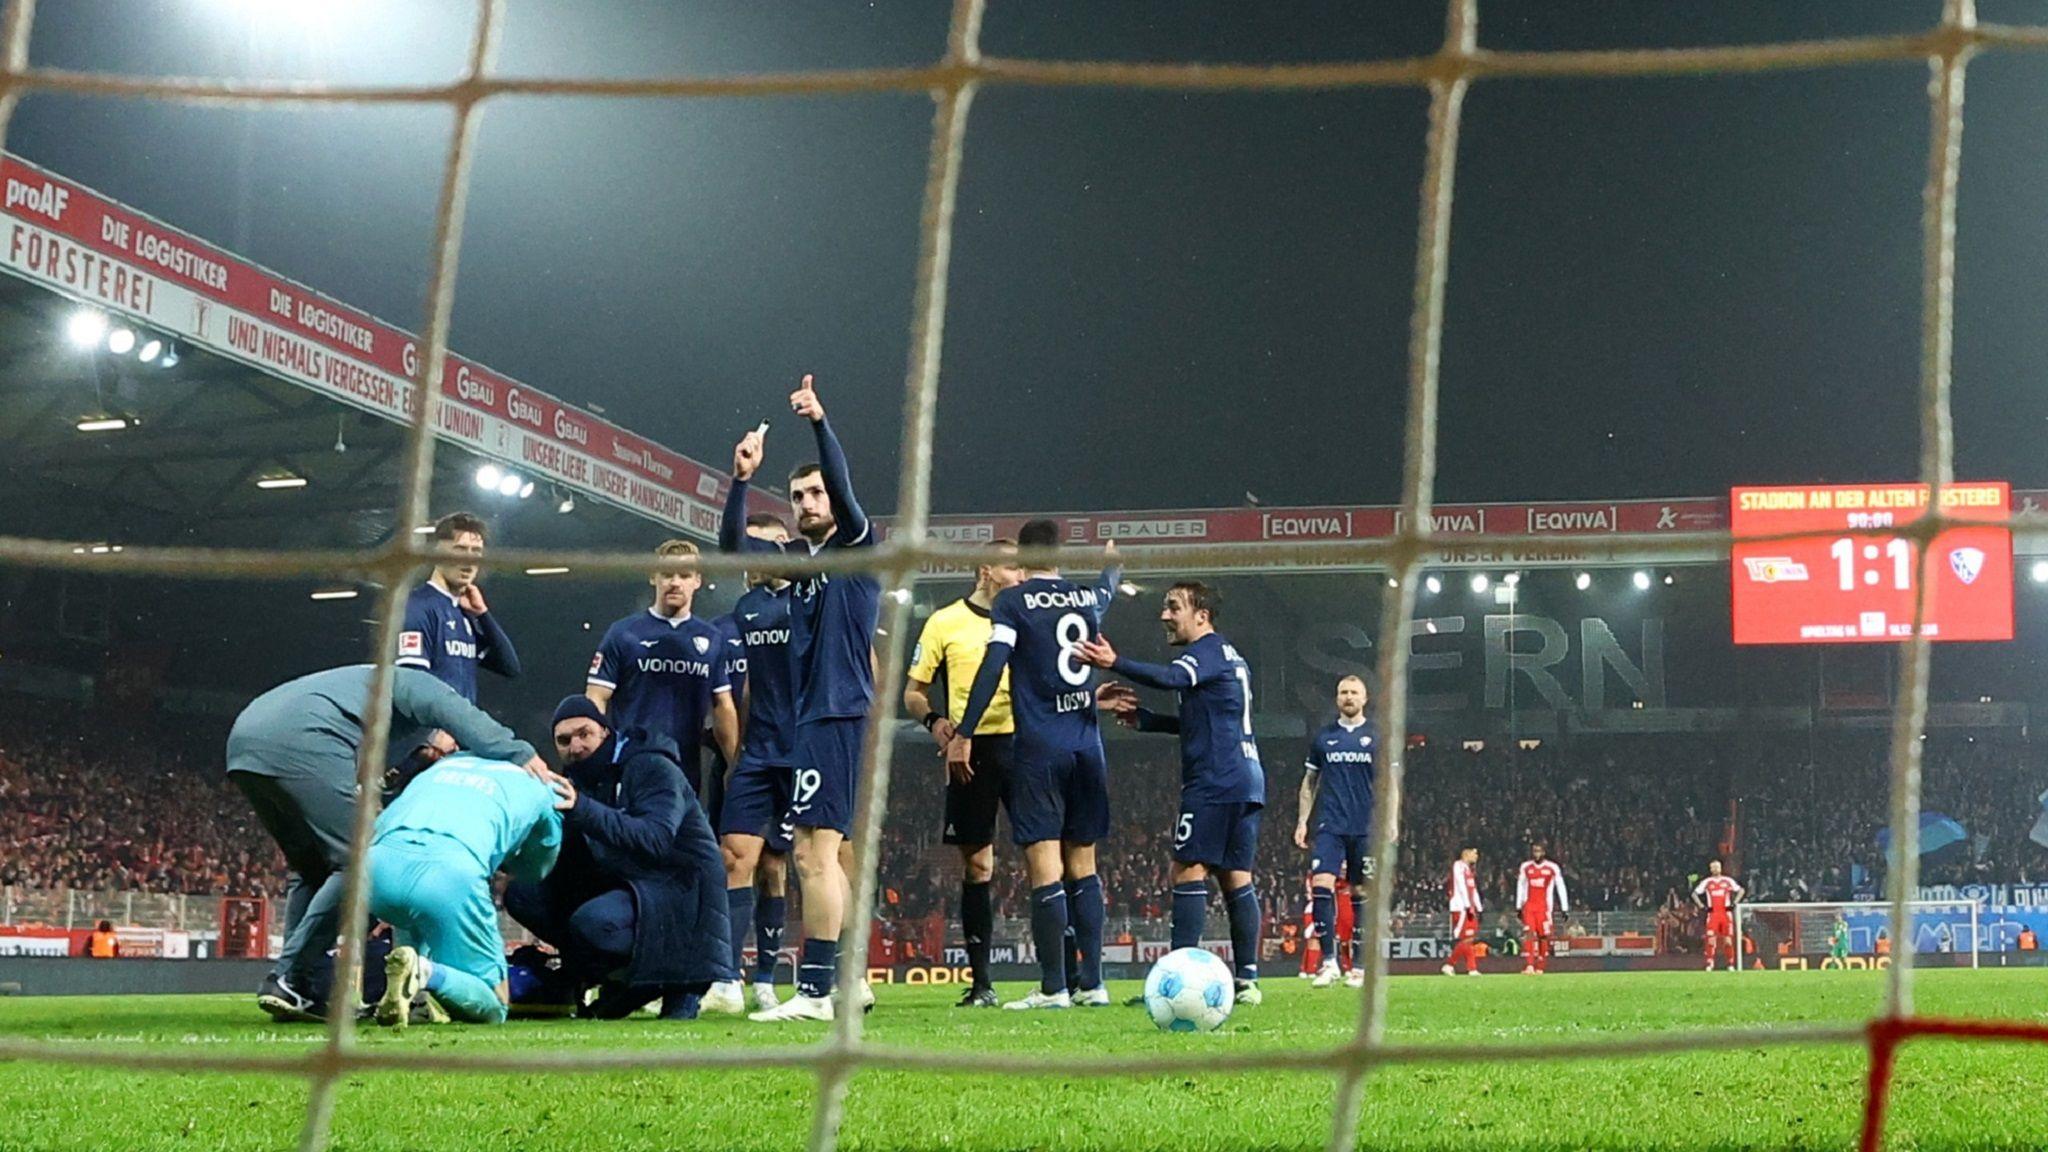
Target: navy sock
(739, 905)
(814, 973)
(1357, 933)
(1049, 935)
(1085, 911)
(1190, 906)
(977, 924)
(770, 915)
(1326, 923)
(1243, 905)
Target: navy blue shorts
(756, 800)
(1059, 795)
(827, 774)
(1219, 836)
(1341, 855)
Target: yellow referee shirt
(953, 642)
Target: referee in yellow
(950, 648)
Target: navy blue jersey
(1343, 758)
(832, 618)
(763, 618)
(663, 674)
(439, 637)
(1036, 627)
(735, 650)
(1219, 759)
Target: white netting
(952, 81)
(1854, 933)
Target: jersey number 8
(1072, 629)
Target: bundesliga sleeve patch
(596, 662)
(412, 644)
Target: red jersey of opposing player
(1463, 890)
(1721, 893)
(1539, 891)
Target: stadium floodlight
(120, 341)
(546, 571)
(1642, 581)
(566, 505)
(1511, 579)
(150, 350)
(526, 490)
(1128, 588)
(2039, 572)
(423, 530)
(1583, 581)
(170, 356)
(508, 484)
(1669, 579)
(334, 594)
(1433, 585)
(487, 477)
(1393, 582)
(281, 481)
(1480, 583)
(85, 327)
(103, 424)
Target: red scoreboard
(1837, 588)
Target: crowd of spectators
(1633, 819)
(103, 808)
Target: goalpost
(1939, 927)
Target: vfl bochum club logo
(1967, 563)
(703, 645)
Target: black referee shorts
(971, 807)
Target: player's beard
(815, 528)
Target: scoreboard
(1838, 588)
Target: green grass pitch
(1948, 1095)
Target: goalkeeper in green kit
(1838, 940)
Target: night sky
(1658, 287)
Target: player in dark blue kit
(1059, 779)
(1222, 784)
(664, 671)
(1337, 790)
(832, 648)
(449, 630)
(750, 825)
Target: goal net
(1945, 49)
(1856, 934)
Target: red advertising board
(1836, 588)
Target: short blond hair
(677, 548)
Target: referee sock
(815, 971)
(1084, 909)
(770, 917)
(1243, 905)
(1190, 906)
(1049, 936)
(1357, 932)
(1326, 923)
(977, 924)
(739, 907)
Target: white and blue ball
(1190, 990)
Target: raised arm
(853, 530)
(732, 522)
(498, 654)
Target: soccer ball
(1189, 990)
